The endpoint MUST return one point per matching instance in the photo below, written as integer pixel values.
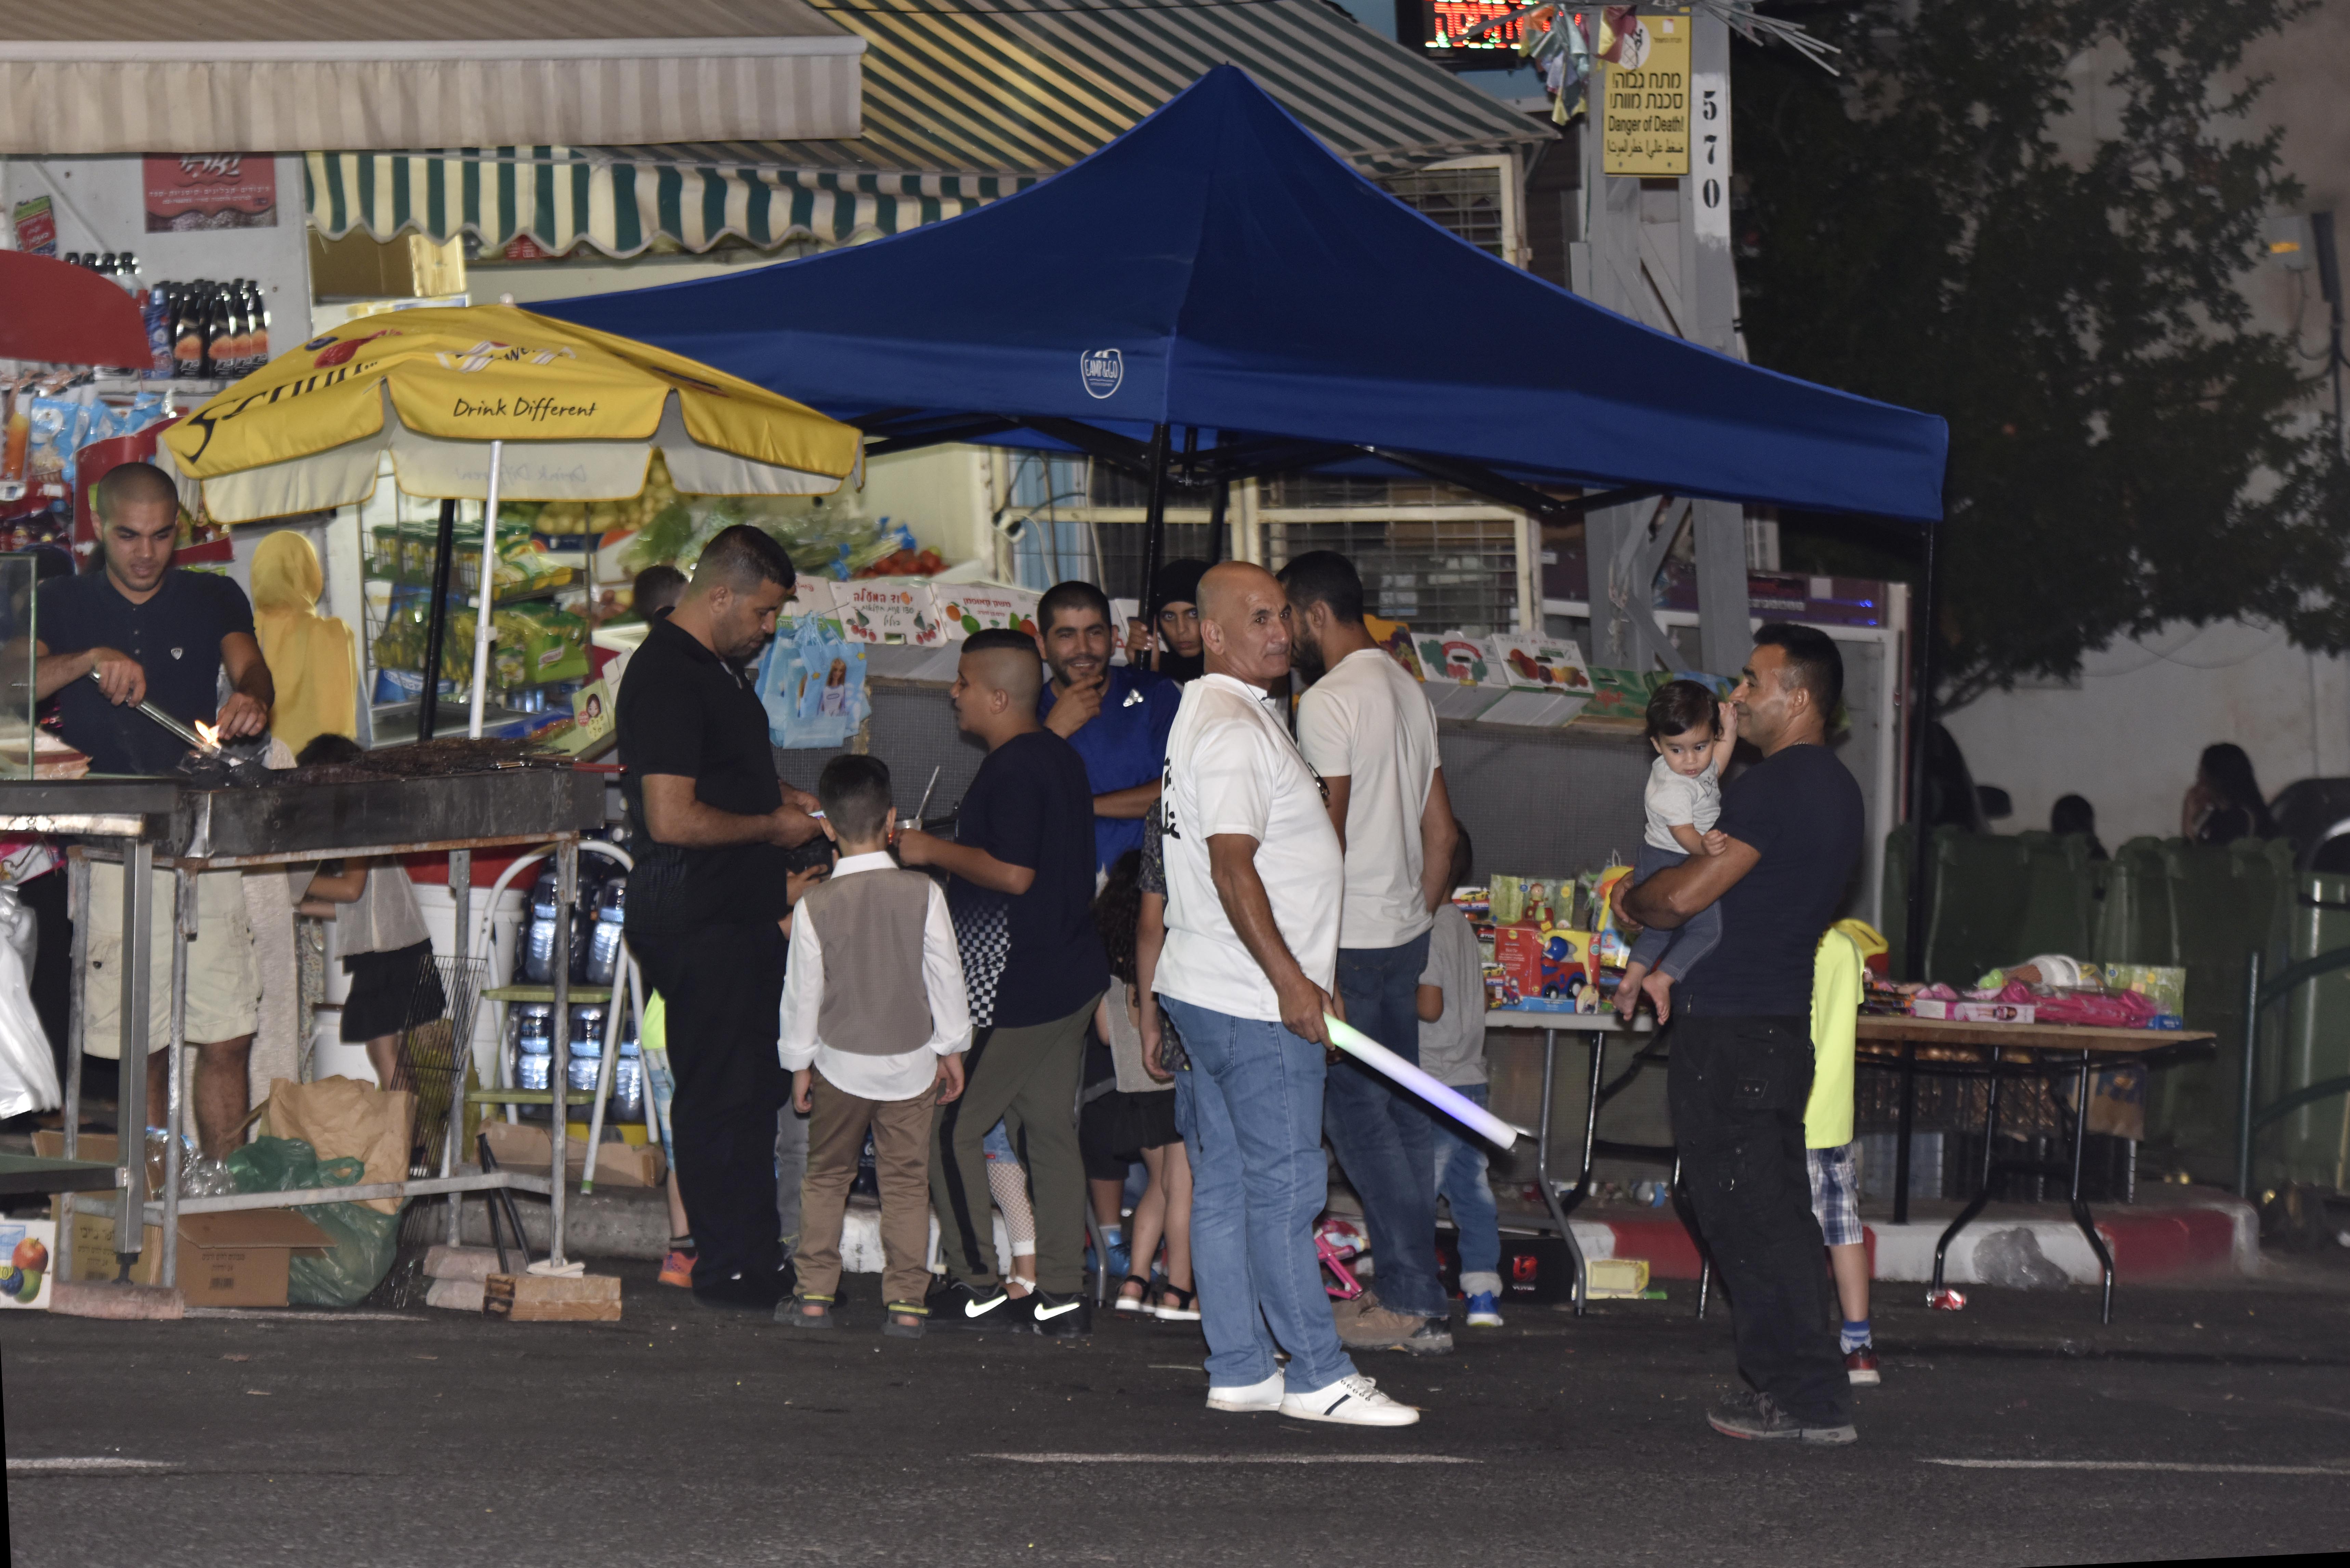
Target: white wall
(100, 206)
(2128, 735)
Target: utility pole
(1656, 249)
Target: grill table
(148, 824)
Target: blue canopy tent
(1218, 271)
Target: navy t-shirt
(176, 636)
(1803, 812)
(1123, 745)
(1035, 958)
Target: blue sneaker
(1483, 1313)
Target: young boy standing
(1451, 1007)
(874, 1024)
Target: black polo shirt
(176, 636)
(684, 711)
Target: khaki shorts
(224, 982)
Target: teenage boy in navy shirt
(1021, 891)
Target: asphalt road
(2207, 1422)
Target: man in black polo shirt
(154, 634)
(710, 824)
(1741, 1069)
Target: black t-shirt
(1035, 958)
(1802, 810)
(684, 711)
(176, 636)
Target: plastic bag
(28, 1073)
(364, 1241)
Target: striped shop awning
(964, 101)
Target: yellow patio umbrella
(488, 403)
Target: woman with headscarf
(1174, 625)
(2225, 802)
(313, 659)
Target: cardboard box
(887, 609)
(527, 1146)
(237, 1259)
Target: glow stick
(1448, 1100)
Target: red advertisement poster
(212, 191)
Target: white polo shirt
(1233, 768)
(1369, 722)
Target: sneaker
(676, 1269)
(1860, 1365)
(1352, 1401)
(957, 1304)
(1758, 1416)
(1247, 1398)
(1381, 1329)
(1058, 1316)
(1483, 1311)
(747, 1292)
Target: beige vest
(876, 1002)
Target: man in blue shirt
(1117, 716)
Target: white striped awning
(965, 100)
(286, 75)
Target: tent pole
(436, 624)
(482, 614)
(1219, 501)
(1154, 520)
(1921, 721)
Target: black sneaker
(1058, 1316)
(958, 1305)
(1757, 1417)
(748, 1293)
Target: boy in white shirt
(1694, 735)
(875, 1021)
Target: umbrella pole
(1154, 519)
(487, 594)
(436, 624)
(1219, 499)
(1921, 720)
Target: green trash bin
(2311, 1046)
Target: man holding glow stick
(1742, 1044)
(1254, 877)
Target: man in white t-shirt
(1365, 726)
(1255, 876)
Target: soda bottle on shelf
(257, 323)
(188, 332)
(220, 339)
(155, 309)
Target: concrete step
(2199, 1234)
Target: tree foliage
(1950, 227)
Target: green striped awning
(964, 101)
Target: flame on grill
(211, 734)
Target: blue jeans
(1461, 1182)
(1675, 952)
(1383, 1135)
(1251, 1111)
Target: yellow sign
(1645, 101)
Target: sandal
(906, 1320)
(1140, 1303)
(1186, 1310)
(792, 1313)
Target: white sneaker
(1248, 1398)
(1351, 1401)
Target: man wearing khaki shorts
(152, 633)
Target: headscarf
(312, 658)
(1177, 583)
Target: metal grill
(1438, 574)
(1466, 201)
